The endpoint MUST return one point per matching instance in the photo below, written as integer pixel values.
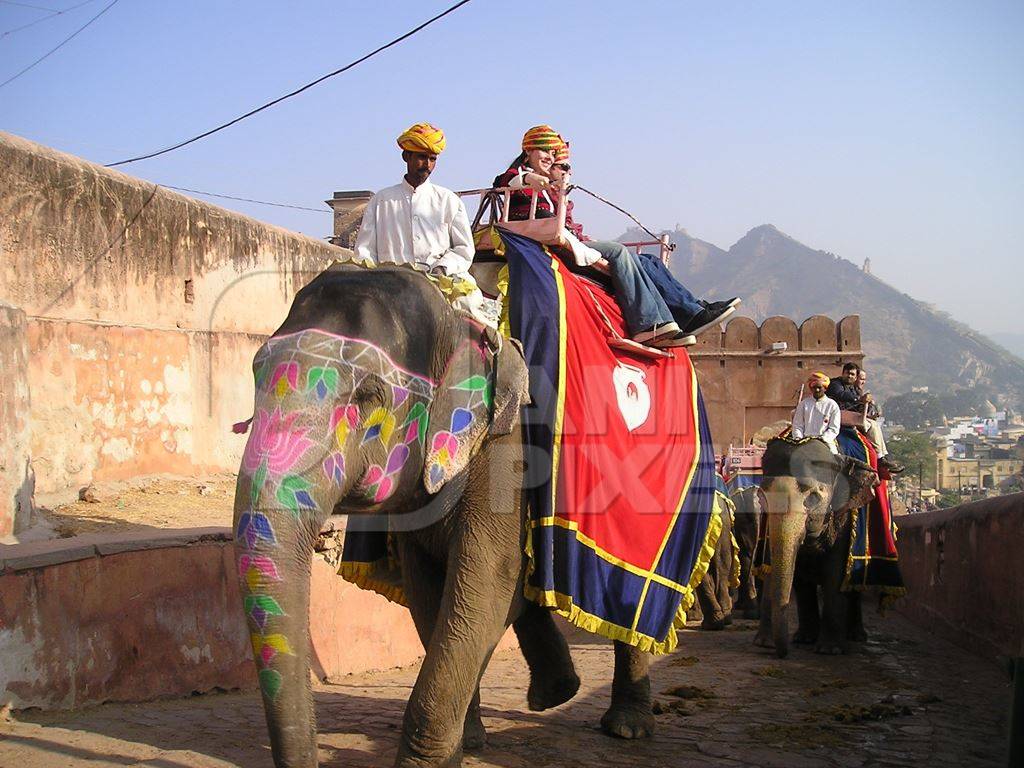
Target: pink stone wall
(144, 308)
(17, 482)
(965, 574)
(144, 616)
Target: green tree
(915, 451)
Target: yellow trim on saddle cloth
(734, 574)
(361, 574)
(564, 605)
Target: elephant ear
(855, 484)
(480, 392)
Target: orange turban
(423, 137)
(562, 153)
(818, 377)
(542, 137)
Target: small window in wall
(799, 363)
(190, 293)
(721, 363)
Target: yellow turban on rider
(423, 137)
(562, 153)
(818, 378)
(542, 137)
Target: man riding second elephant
(810, 493)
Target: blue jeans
(683, 304)
(636, 293)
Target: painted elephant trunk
(785, 534)
(289, 482)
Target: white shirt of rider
(426, 226)
(817, 418)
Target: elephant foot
(802, 637)
(629, 721)
(830, 648)
(545, 694)
(713, 624)
(764, 639)
(474, 735)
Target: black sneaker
(732, 303)
(707, 318)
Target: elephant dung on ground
(377, 400)
(810, 493)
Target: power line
(28, 5)
(60, 45)
(296, 92)
(243, 199)
(53, 15)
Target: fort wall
(143, 310)
(751, 375)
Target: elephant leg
(423, 583)
(723, 597)
(630, 716)
(714, 618)
(855, 618)
(764, 637)
(553, 678)
(273, 551)
(832, 638)
(478, 591)
(808, 620)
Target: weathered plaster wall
(17, 482)
(133, 618)
(135, 295)
(746, 387)
(965, 574)
(154, 614)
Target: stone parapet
(965, 575)
(157, 614)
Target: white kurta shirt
(817, 418)
(425, 226)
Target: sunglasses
(564, 166)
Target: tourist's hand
(536, 181)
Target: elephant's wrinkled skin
(746, 519)
(810, 493)
(460, 548)
(713, 591)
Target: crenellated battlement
(750, 374)
(817, 334)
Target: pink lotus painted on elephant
(275, 440)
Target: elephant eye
(813, 500)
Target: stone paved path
(903, 699)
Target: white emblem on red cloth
(634, 398)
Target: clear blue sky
(889, 130)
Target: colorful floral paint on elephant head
(294, 464)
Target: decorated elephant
(809, 493)
(746, 518)
(723, 574)
(377, 400)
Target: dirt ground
(901, 699)
(157, 502)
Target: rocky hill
(907, 343)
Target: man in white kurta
(423, 225)
(817, 415)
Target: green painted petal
(472, 384)
(270, 682)
(488, 394)
(258, 480)
(266, 602)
